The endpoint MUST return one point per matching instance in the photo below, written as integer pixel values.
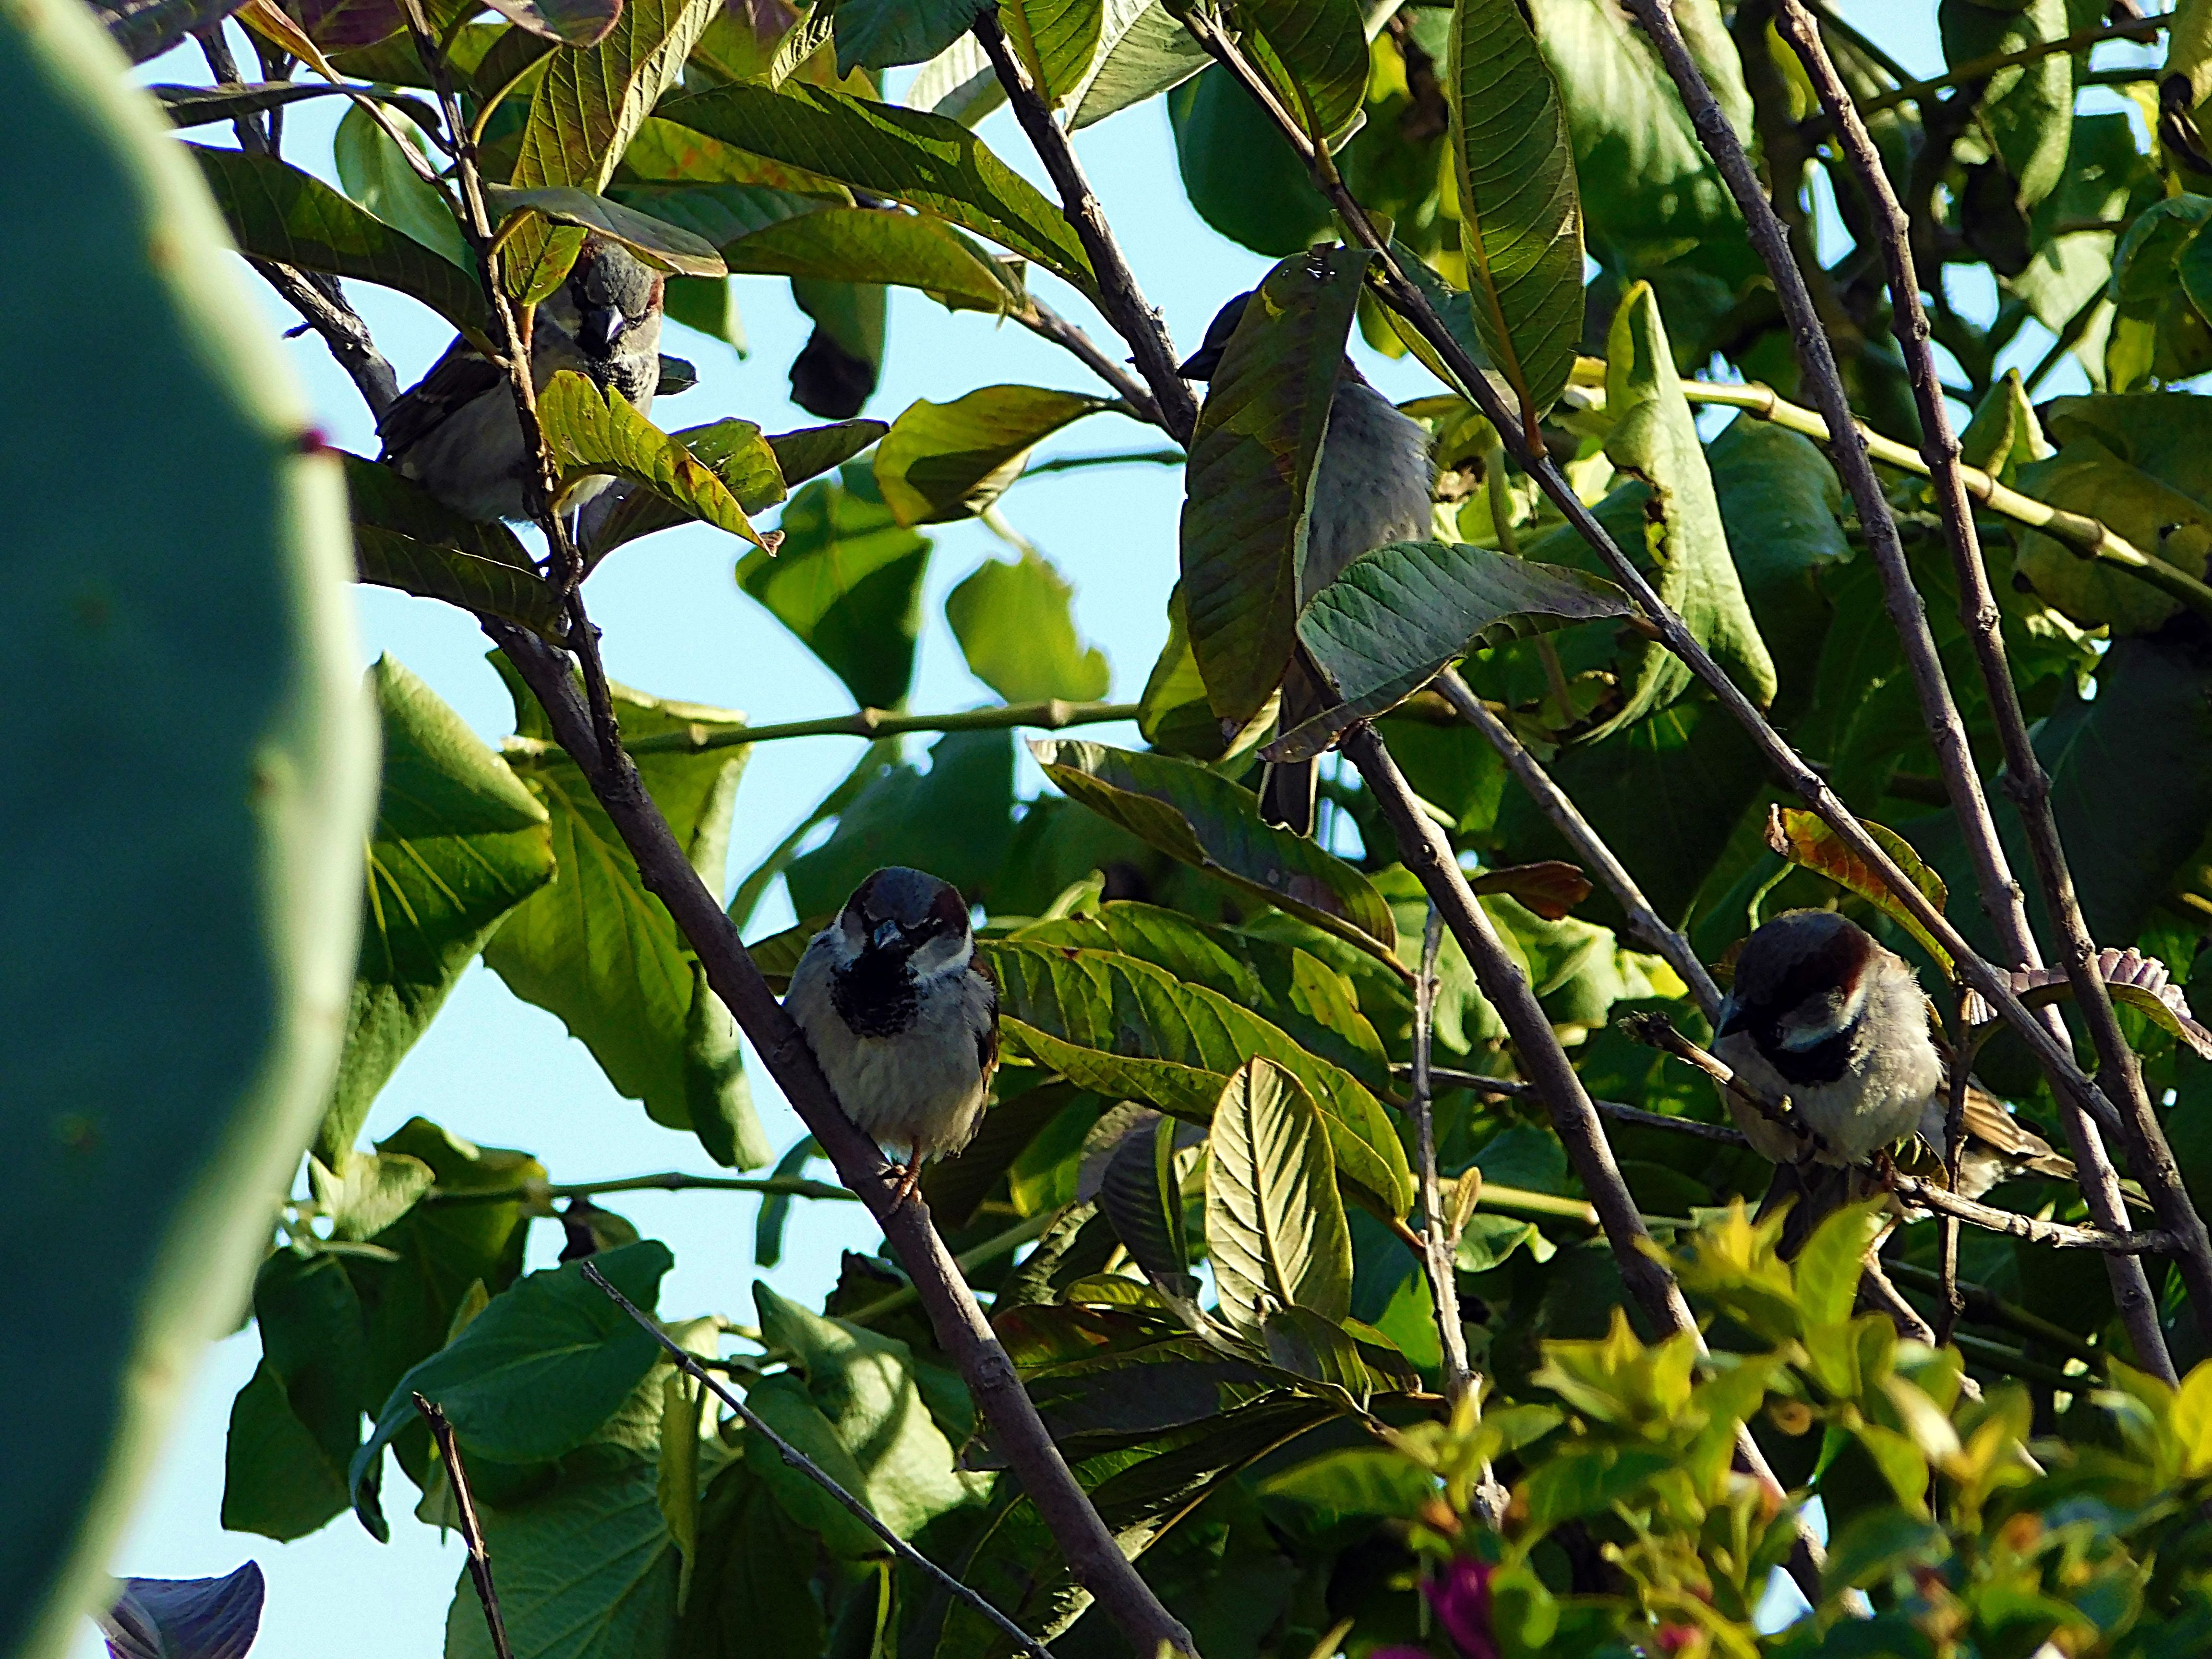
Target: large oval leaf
(848, 582)
(1199, 816)
(1142, 52)
(1520, 221)
(193, 769)
(659, 244)
(1654, 438)
(909, 155)
(1399, 615)
(1016, 625)
(1315, 52)
(865, 244)
(945, 461)
(1803, 838)
(1252, 463)
(1274, 1227)
(278, 212)
(1123, 1027)
(405, 538)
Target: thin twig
(1092, 1555)
(806, 1465)
(1930, 1196)
(2026, 782)
(1644, 923)
(1119, 457)
(1656, 1031)
(1046, 714)
(1121, 301)
(1041, 319)
(1512, 1088)
(1981, 69)
(671, 1181)
(1436, 1250)
(449, 1449)
(2084, 536)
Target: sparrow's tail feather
(1288, 791)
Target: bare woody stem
(2000, 893)
(1437, 1247)
(1644, 922)
(1042, 320)
(464, 1504)
(1090, 1549)
(1046, 714)
(755, 1424)
(2026, 781)
(1120, 300)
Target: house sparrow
(455, 431)
(1823, 1015)
(902, 1017)
(1371, 487)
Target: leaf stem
(1045, 714)
(671, 1181)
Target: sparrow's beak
(1732, 1019)
(598, 328)
(887, 935)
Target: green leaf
(753, 1579)
(813, 450)
(1654, 438)
(1400, 615)
(1174, 715)
(533, 1375)
(459, 843)
(945, 461)
(278, 212)
(1140, 1196)
(203, 764)
(1200, 818)
(586, 1571)
(276, 1480)
(1873, 1543)
(864, 1386)
(405, 538)
(862, 245)
(369, 1191)
(1239, 172)
(1142, 52)
(1016, 626)
(1358, 1480)
(1589, 1481)
(1251, 477)
(296, 1425)
(1125, 1028)
(1803, 838)
(658, 243)
(147, 29)
(885, 34)
(1521, 223)
(375, 174)
(732, 450)
(2027, 109)
(1829, 1267)
(955, 821)
(601, 952)
(924, 161)
(589, 103)
(1318, 49)
(1058, 39)
(592, 435)
(848, 582)
(672, 154)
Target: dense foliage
(1189, 1204)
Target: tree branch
(340, 328)
(671, 1181)
(441, 1431)
(1644, 922)
(1046, 714)
(1042, 320)
(806, 1465)
(2001, 896)
(1121, 301)
(1513, 1089)
(2026, 781)
(961, 1330)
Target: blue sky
(504, 1073)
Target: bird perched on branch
(455, 432)
(1371, 487)
(901, 1016)
(1821, 1014)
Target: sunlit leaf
(590, 434)
(732, 450)
(1273, 1225)
(945, 461)
(1316, 50)
(1803, 838)
(848, 582)
(1142, 52)
(865, 245)
(666, 247)
(1016, 625)
(376, 175)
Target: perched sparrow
(1821, 1014)
(455, 432)
(1372, 488)
(902, 1017)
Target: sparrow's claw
(1885, 1167)
(909, 1174)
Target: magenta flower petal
(1460, 1598)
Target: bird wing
(460, 377)
(987, 1040)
